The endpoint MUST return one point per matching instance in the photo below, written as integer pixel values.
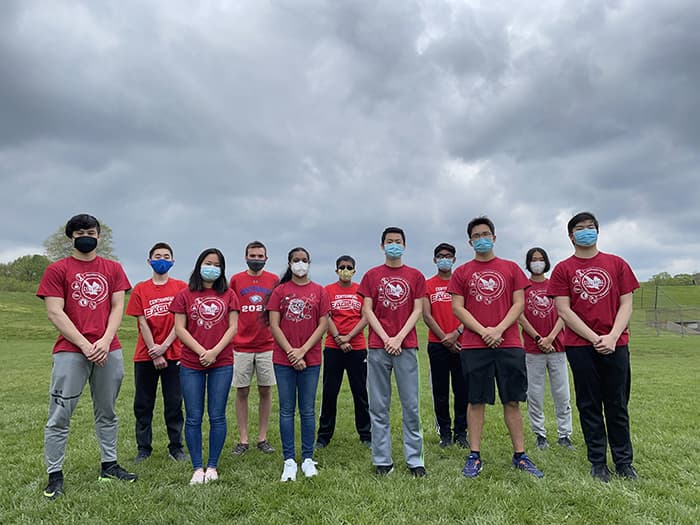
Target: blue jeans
(290, 384)
(194, 383)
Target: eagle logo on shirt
(393, 292)
(299, 309)
(487, 286)
(538, 304)
(255, 299)
(591, 284)
(207, 311)
(89, 289)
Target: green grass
(664, 426)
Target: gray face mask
(537, 267)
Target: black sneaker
(541, 442)
(54, 489)
(240, 448)
(600, 472)
(142, 456)
(566, 443)
(445, 441)
(626, 471)
(319, 445)
(366, 442)
(178, 455)
(264, 446)
(418, 472)
(116, 472)
(462, 441)
(383, 470)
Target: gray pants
(405, 366)
(71, 370)
(537, 366)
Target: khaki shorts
(245, 363)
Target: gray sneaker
(566, 443)
(239, 449)
(264, 446)
(541, 442)
(178, 455)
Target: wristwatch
(537, 339)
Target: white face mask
(537, 267)
(300, 268)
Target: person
(157, 354)
(84, 299)
(393, 302)
(253, 345)
(206, 317)
(298, 315)
(443, 351)
(487, 298)
(593, 294)
(542, 331)
(345, 350)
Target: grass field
(665, 424)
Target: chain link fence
(663, 312)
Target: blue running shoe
(526, 464)
(472, 466)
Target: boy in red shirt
(84, 297)
(157, 354)
(593, 292)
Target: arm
(465, 317)
(185, 336)
(573, 321)
(368, 312)
(606, 344)
(393, 345)
(297, 354)
(211, 354)
(342, 341)
(546, 342)
(430, 321)
(116, 313)
(493, 336)
(357, 329)
(59, 318)
(154, 350)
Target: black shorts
(506, 365)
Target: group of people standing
(202, 337)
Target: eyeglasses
(345, 268)
(477, 236)
(444, 256)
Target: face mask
(537, 267)
(444, 265)
(393, 250)
(585, 238)
(346, 275)
(85, 244)
(161, 266)
(300, 268)
(255, 265)
(483, 245)
(210, 273)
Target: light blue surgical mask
(393, 250)
(210, 273)
(586, 238)
(161, 266)
(444, 265)
(483, 245)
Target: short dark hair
(476, 221)
(345, 258)
(580, 217)
(445, 246)
(255, 244)
(160, 246)
(393, 229)
(197, 283)
(531, 252)
(82, 221)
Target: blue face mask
(393, 250)
(161, 266)
(210, 273)
(586, 238)
(444, 265)
(483, 245)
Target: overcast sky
(319, 123)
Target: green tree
(58, 246)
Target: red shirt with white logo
(253, 333)
(346, 312)
(207, 320)
(393, 292)
(487, 288)
(541, 312)
(152, 301)
(87, 288)
(301, 307)
(440, 307)
(594, 287)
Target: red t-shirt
(346, 312)
(487, 288)
(541, 312)
(300, 307)
(207, 320)
(253, 333)
(393, 292)
(594, 287)
(153, 302)
(440, 307)
(87, 288)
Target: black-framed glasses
(345, 267)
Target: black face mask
(255, 265)
(85, 244)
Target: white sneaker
(308, 467)
(197, 477)
(211, 475)
(290, 470)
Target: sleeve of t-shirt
(179, 304)
(135, 305)
(365, 289)
(233, 304)
(273, 304)
(628, 281)
(558, 285)
(121, 282)
(324, 305)
(421, 288)
(51, 284)
(456, 284)
(520, 280)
